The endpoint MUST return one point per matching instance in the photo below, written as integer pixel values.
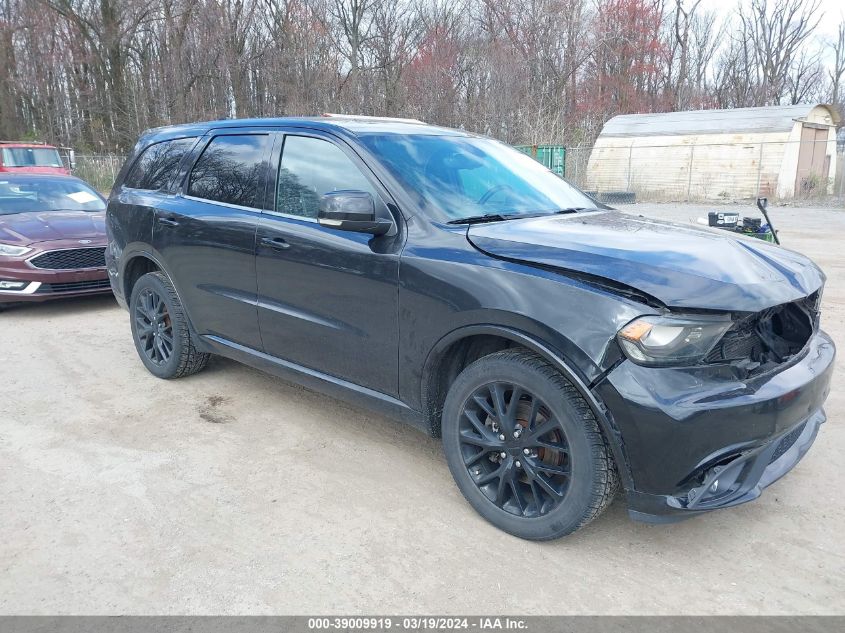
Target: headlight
(657, 341)
(14, 251)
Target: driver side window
(311, 167)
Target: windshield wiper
(478, 219)
(499, 217)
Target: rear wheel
(524, 447)
(160, 329)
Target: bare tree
(805, 79)
(777, 29)
(396, 34)
(837, 71)
(93, 73)
(681, 54)
(353, 20)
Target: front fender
(552, 355)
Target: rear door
(327, 299)
(206, 235)
(150, 180)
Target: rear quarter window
(231, 169)
(157, 165)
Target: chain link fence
(98, 170)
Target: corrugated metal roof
(765, 119)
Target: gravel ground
(233, 492)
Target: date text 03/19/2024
(421, 623)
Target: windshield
(463, 177)
(24, 194)
(31, 157)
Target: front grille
(75, 286)
(71, 259)
(786, 442)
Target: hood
(681, 266)
(23, 229)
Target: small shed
(774, 151)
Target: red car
(52, 238)
(31, 158)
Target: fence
(670, 172)
(99, 170)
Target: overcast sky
(834, 12)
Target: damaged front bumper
(699, 439)
(740, 481)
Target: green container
(552, 156)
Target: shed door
(812, 167)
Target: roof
(27, 144)
(7, 176)
(355, 125)
(764, 119)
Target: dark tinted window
(231, 170)
(311, 167)
(157, 164)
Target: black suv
(560, 348)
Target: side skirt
(318, 381)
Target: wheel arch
(463, 346)
(136, 267)
(139, 264)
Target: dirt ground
(234, 492)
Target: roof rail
(364, 117)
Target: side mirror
(762, 203)
(351, 211)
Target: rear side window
(231, 170)
(157, 164)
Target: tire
(618, 197)
(539, 447)
(154, 307)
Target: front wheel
(160, 329)
(524, 447)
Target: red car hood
(23, 229)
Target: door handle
(275, 242)
(166, 220)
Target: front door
(327, 299)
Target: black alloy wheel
(160, 329)
(153, 327)
(525, 447)
(515, 449)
